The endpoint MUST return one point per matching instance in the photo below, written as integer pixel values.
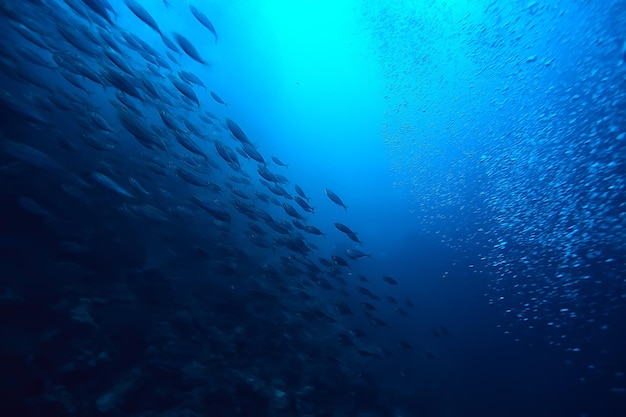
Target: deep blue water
(150, 265)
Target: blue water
(478, 147)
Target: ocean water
(312, 208)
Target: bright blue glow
(305, 65)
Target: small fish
(100, 8)
(31, 156)
(291, 211)
(335, 199)
(356, 254)
(204, 21)
(189, 49)
(401, 312)
(368, 306)
(212, 209)
(237, 132)
(185, 90)
(149, 212)
(313, 230)
(34, 207)
(300, 192)
(343, 228)
(137, 186)
(390, 280)
(110, 184)
(340, 261)
(280, 164)
(218, 98)
(253, 153)
(190, 78)
(143, 15)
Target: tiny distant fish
(301, 193)
(429, 355)
(253, 153)
(390, 280)
(237, 132)
(280, 163)
(110, 184)
(344, 339)
(215, 211)
(291, 211)
(325, 262)
(185, 89)
(189, 144)
(401, 312)
(368, 306)
(100, 8)
(335, 199)
(31, 156)
(203, 20)
(339, 260)
(343, 228)
(218, 98)
(171, 46)
(356, 254)
(149, 212)
(305, 206)
(137, 186)
(313, 230)
(191, 78)
(298, 224)
(189, 49)
(142, 14)
(34, 207)
(378, 322)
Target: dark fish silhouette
(218, 98)
(335, 199)
(280, 163)
(189, 49)
(100, 7)
(238, 132)
(390, 280)
(143, 15)
(204, 21)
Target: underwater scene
(313, 208)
